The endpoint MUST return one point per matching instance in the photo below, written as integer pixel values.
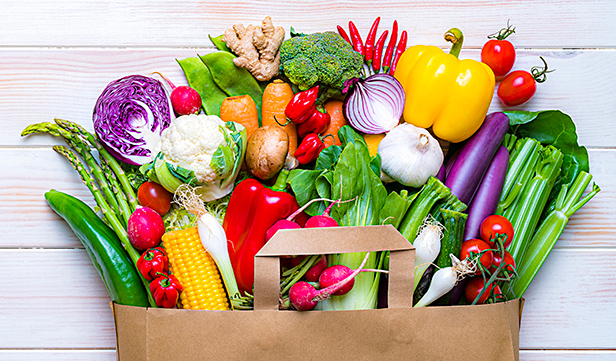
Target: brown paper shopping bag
(400, 332)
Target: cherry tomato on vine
(498, 53)
(476, 246)
(494, 226)
(475, 286)
(154, 196)
(519, 86)
(509, 262)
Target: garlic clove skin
(410, 155)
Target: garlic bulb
(410, 155)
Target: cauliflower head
(190, 142)
(200, 150)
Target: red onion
(374, 104)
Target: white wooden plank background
(56, 56)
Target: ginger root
(256, 48)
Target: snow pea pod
(200, 79)
(219, 43)
(232, 79)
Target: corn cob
(196, 271)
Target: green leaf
(395, 208)
(349, 135)
(556, 128)
(183, 174)
(517, 117)
(328, 157)
(223, 161)
(303, 183)
(354, 179)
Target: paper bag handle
(314, 241)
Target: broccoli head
(320, 58)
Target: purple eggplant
(486, 199)
(475, 157)
(451, 162)
(441, 174)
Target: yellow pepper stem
(454, 36)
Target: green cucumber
(453, 223)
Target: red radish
(315, 271)
(333, 274)
(145, 228)
(281, 224)
(288, 223)
(323, 220)
(184, 99)
(304, 296)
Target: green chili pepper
(200, 79)
(219, 43)
(103, 246)
(232, 79)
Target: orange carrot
(334, 108)
(240, 109)
(276, 96)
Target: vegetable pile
(322, 130)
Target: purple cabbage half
(129, 116)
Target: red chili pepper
(356, 39)
(153, 261)
(309, 149)
(318, 123)
(166, 290)
(252, 210)
(343, 34)
(390, 47)
(399, 50)
(378, 51)
(302, 105)
(370, 40)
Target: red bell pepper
(309, 149)
(302, 105)
(166, 290)
(318, 123)
(153, 261)
(252, 210)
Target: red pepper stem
(164, 283)
(282, 125)
(326, 136)
(455, 36)
(281, 181)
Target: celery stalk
(525, 213)
(544, 239)
(523, 159)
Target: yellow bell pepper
(443, 92)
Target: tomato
(475, 286)
(519, 86)
(154, 196)
(499, 55)
(509, 262)
(476, 246)
(494, 226)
